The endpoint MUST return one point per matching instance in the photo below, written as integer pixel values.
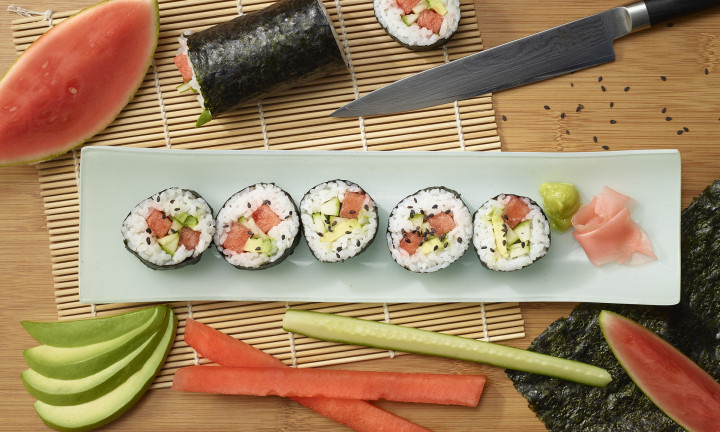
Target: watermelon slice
(678, 386)
(75, 79)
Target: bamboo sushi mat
(159, 116)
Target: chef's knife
(557, 51)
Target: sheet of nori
(691, 326)
(282, 45)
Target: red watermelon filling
(516, 210)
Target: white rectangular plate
(114, 180)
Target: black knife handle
(664, 10)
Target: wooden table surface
(673, 68)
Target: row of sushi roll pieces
(259, 226)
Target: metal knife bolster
(637, 16)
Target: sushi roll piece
(419, 24)
(170, 229)
(510, 232)
(258, 227)
(339, 220)
(257, 54)
(429, 230)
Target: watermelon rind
(673, 382)
(14, 156)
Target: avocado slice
(319, 225)
(417, 220)
(410, 19)
(499, 230)
(73, 392)
(262, 245)
(86, 331)
(106, 408)
(437, 6)
(175, 227)
(431, 245)
(191, 222)
(170, 243)
(82, 361)
(182, 217)
(331, 207)
(340, 230)
(519, 249)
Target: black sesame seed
(504, 242)
(148, 230)
(546, 107)
(158, 198)
(459, 239)
(686, 129)
(147, 240)
(595, 138)
(358, 243)
(706, 71)
(320, 234)
(290, 213)
(172, 231)
(257, 248)
(352, 212)
(664, 110)
(339, 248)
(626, 88)
(447, 211)
(522, 245)
(572, 85)
(412, 213)
(163, 216)
(612, 122)
(567, 131)
(445, 245)
(562, 115)
(177, 208)
(612, 104)
(367, 207)
(680, 132)
(506, 217)
(282, 237)
(337, 255)
(407, 240)
(603, 88)
(435, 206)
(668, 118)
(663, 77)
(249, 205)
(421, 243)
(226, 226)
(492, 250)
(504, 118)
(333, 223)
(483, 247)
(266, 202)
(605, 147)
(348, 232)
(431, 215)
(250, 232)
(435, 248)
(599, 78)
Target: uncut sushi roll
(170, 229)
(510, 232)
(339, 220)
(429, 230)
(257, 54)
(258, 227)
(419, 24)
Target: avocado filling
(259, 242)
(509, 243)
(173, 232)
(330, 225)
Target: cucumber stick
(356, 331)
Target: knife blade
(569, 47)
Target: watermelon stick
(446, 389)
(359, 415)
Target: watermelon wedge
(679, 387)
(75, 79)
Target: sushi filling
(428, 231)
(169, 227)
(184, 65)
(257, 226)
(510, 233)
(339, 220)
(419, 23)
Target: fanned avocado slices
(691, 326)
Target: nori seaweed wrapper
(691, 326)
(282, 45)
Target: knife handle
(664, 10)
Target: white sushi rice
(458, 239)
(193, 83)
(484, 237)
(172, 202)
(243, 204)
(389, 15)
(348, 245)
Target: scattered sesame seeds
(602, 88)
(612, 104)
(663, 77)
(595, 138)
(599, 78)
(613, 121)
(680, 132)
(562, 115)
(706, 71)
(627, 88)
(547, 107)
(504, 117)
(668, 118)
(147, 240)
(664, 110)
(686, 129)
(579, 107)
(605, 147)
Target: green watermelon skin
(75, 79)
(673, 382)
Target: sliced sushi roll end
(429, 230)
(510, 232)
(339, 220)
(258, 227)
(419, 24)
(170, 229)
